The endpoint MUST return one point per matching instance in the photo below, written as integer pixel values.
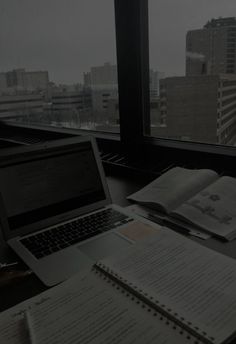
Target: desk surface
(120, 187)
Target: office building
(113, 110)
(154, 89)
(212, 49)
(103, 84)
(70, 101)
(37, 80)
(3, 83)
(15, 106)
(200, 108)
(21, 80)
(101, 96)
(102, 81)
(154, 83)
(101, 75)
(68, 108)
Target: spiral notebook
(90, 309)
(192, 286)
(166, 290)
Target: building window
(57, 63)
(192, 71)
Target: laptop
(56, 211)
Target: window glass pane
(193, 70)
(58, 63)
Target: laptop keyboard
(62, 236)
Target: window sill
(150, 157)
(66, 131)
(191, 146)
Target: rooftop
(219, 22)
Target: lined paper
(89, 310)
(191, 282)
(92, 314)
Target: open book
(166, 290)
(200, 197)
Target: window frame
(132, 40)
(131, 20)
(132, 43)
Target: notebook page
(86, 309)
(192, 283)
(12, 323)
(92, 313)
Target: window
(192, 71)
(58, 60)
(140, 116)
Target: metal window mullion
(131, 19)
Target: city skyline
(67, 38)
(203, 97)
(99, 80)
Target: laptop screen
(51, 184)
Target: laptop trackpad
(104, 246)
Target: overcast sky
(67, 37)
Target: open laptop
(56, 211)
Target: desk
(120, 187)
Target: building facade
(16, 106)
(68, 108)
(101, 75)
(199, 108)
(212, 49)
(70, 101)
(154, 83)
(103, 84)
(23, 81)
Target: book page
(91, 311)
(174, 187)
(190, 282)
(214, 208)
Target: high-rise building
(102, 81)
(199, 108)
(21, 80)
(101, 76)
(154, 82)
(212, 49)
(154, 87)
(3, 83)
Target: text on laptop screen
(48, 186)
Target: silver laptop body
(50, 186)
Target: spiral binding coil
(122, 290)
